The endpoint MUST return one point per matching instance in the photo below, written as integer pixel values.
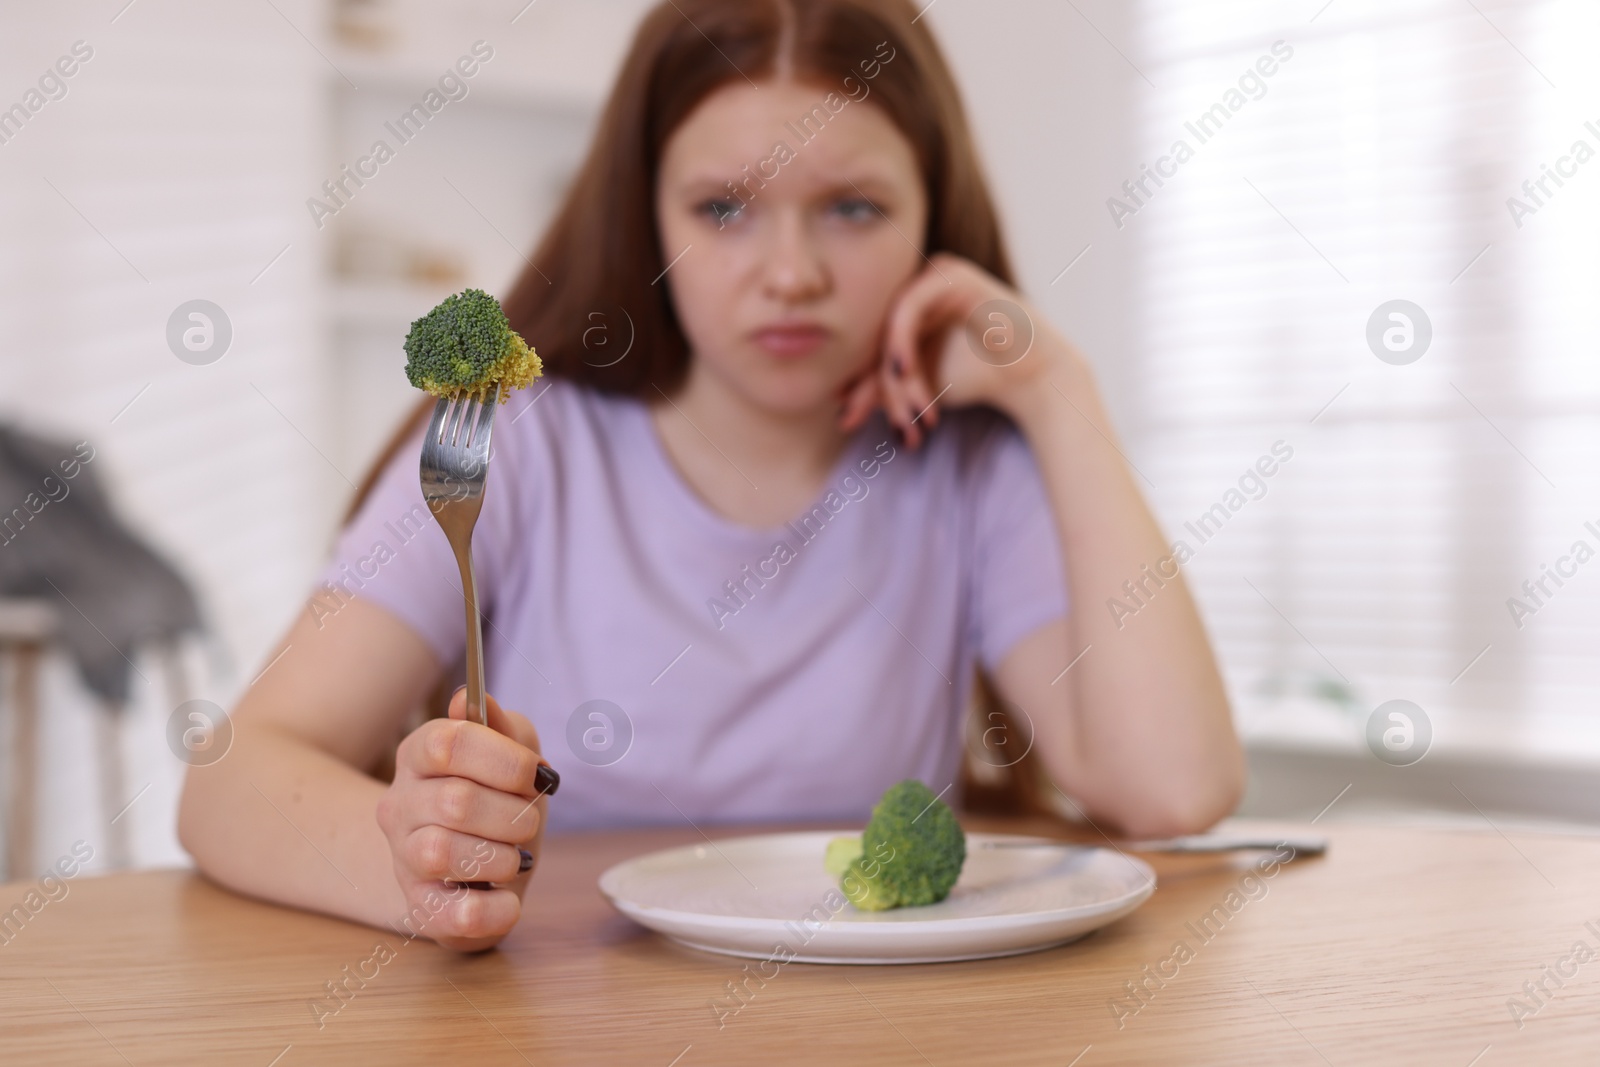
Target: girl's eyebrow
(860, 186)
(705, 184)
(867, 182)
(857, 181)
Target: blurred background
(1339, 156)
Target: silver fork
(455, 464)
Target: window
(1367, 158)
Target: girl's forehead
(800, 128)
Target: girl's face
(785, 280)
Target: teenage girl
(804, 460)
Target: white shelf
(557, 53)
(547, 95)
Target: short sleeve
(1018, 576)
(394, 555)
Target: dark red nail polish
(527, 861)
(547, 780)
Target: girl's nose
(793, 268)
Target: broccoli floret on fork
(465, 347)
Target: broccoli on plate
(910, 853)
(465, 346)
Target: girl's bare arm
(288, 814)
(1139, 730)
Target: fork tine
(485, 415)
(435, 432)
(469, 423)
(462, 422)
(449, 403)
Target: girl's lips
(791, 340)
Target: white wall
(1053, 104)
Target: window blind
(1381, 159)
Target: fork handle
(477, 704)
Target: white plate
(768, 897)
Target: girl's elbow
(188, 832)
(193, 808)
(1212, 798)
(1195, 806)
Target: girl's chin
(795, 395)
(787, 388)
(792, 388)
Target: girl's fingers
(468, 808)
(860, 400)
(449, 748)
(922, 313)
(509, 723)
(465, 808)
(908, 320)
(897, 406)
(433, 853)
(909, 402)
(919, 396)
(517, 728)
(461, 918)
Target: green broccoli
(465, 346)
(842, 851)
(910, 853)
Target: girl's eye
(856, 209)
(721, 210)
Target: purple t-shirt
(680, 666)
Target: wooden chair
(26, 629)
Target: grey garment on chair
(60, 541)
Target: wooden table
(1400, 946)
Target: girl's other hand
(465, 806)
(936, 329)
